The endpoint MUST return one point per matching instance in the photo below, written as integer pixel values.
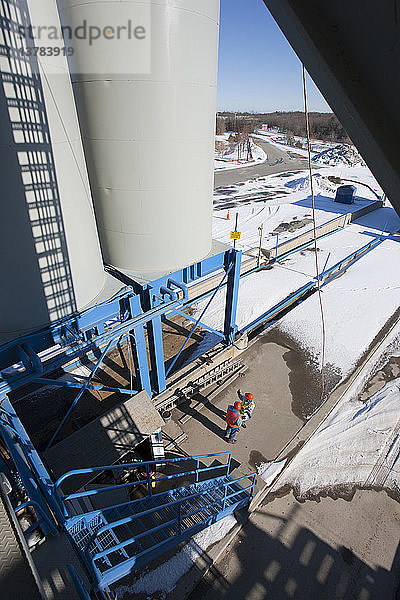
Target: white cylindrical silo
(149, 136)
(50, 257)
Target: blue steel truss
(98, 329)
(134, 314)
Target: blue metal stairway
(117, 540)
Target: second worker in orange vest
(233, 422)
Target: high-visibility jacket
(247, 405)
(233, 417)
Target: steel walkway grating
(115, 541)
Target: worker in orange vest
(233, 422)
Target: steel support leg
(139, 353)
(139, 350)
(232, 292)
(156, 348)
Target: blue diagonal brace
(198, 321)
(76, 384)
(202, 325)
(80, 394)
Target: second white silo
(149, 136)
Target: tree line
(323, 126)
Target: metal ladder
(214, 375)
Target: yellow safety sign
(235, 235)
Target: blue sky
(258, 70)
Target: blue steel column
(234, 257)
(156, 348)
(34, 475)
(139, 350)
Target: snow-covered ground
(164, 578)
(341, 154)
(232, 156)
(357, 445)
(356, 305)
(280, 141)
(369, 288)
(323, 153)
(283, 198)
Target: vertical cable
(315, 233)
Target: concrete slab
(52, 559)
(273, 422)
(332, 549)
(278, 375)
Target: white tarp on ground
(358, 444)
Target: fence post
(260, 233)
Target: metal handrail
(40, 514)
(126, 520)
(139, 465)
(20, 538)
(134, 465)
(132, 540)
(351, 257)
(343, 216)
(324, 277)
(121, 486)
